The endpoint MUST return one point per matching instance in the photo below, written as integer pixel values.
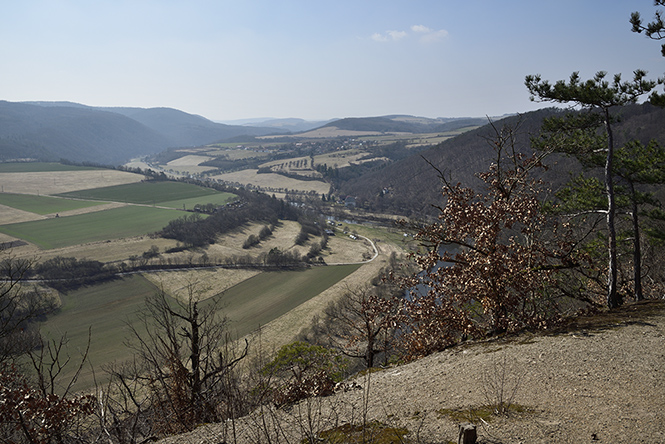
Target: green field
(42, 204)
(277, 293)
(39, 167)
(151, 193)
(115, 223)
(106, 309)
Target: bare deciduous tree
(18, 307)
(184, 360)
(362, 322)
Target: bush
(304, 370)
(251, 241)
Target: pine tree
(655, 30)
(577, 134)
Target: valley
(275, 233)
(57, 211)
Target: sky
(313, 59)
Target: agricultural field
(189, 160)
(271, 182)
(339, 159)
(152, 193)
(88, 215)
(43, 205)
(107, 251)
(55, 182)
(277, 292)
(70, 217)
(105, 310)
(57, 232)
(41, 167)
(190, 163)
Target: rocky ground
(597, 380)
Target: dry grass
(342, 249)
(9, 215)
(190, 160)
(54, 182)
(207, 282)
(108, 206)
(103, 251)
(339, 159)
(273, 181)
(230, 244)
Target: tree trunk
(467, 434)
(637, 250)
(613, 299)
(195, 358)
(369, 352)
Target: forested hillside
(404, 124)
(411, 186)
(184, 129)
(72, 133)
(78, 133)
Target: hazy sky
(313, 59)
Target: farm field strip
(216, 199)
(126, 221)
(208, 282)
(274, 181)
(147, 193)
(277, 292)
(105, 310)
(10, 215)
(43, 204)
(189, 160)
(56, 182)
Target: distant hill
(411, 186)
(404, 124)
(66, 130)
(292, 125)
(73, 133)
(184, 129)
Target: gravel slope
(598, 380)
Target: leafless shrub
(500, 383)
